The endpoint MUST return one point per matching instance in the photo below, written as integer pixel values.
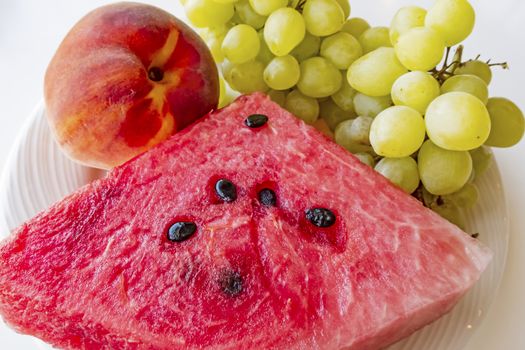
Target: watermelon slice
(248, 230)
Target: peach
(126, 77)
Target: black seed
(231, 283)
(320, 217)
(256, 120)
(181, 231)
(155, 74)
(226, 190)
(267, 197)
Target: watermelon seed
(320, 217)
(256, 120)
(267, 197)
(181, 231)
(231, 283)
(226, 190)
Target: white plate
(38, 174)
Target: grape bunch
(393, 96)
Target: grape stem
(418, 194)
(446, 55)
(503, 65)
(449, 69)
(300, 5)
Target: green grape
(265, 7)
(282, 73)
(303, 107)
(219, 31)
(323, 17)
(360, 130)
(278, 97)
(366, 158)
(241, 44)
(442, 171)
(248, 15)
(481, 160)
(478, 68)
(226, 68)
(208, 13)
(397, 132)
(374, 38)
(457, 121)
(466, 197)
(284, 30)
(472, 176)
(450, 212)
(344, 98)
(375, 73)
(406, 18)
(355, 26)
(213, 37)
(309, 47)
(333, 115)
(222, 92)
(343, 133)
(403, 172)
(345, 5)
(264, 55)
(369, 106)
(415, 89)
(453, 19)
(319, 78)
(342, 49)
(470, 84)
(420, 48)
(226, 1)
(508, 123)
(247, 77)
(225, 97)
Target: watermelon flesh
(98, 270)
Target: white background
(30, 31)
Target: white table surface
(30, 31)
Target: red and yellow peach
(126, 77)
